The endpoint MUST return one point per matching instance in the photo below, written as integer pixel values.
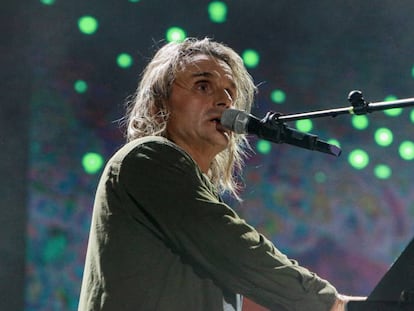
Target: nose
(224, 99)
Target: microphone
(275, 131)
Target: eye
(203, 86)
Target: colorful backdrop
(347, 218)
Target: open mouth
(216, 120)
(219, 126)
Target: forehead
(205, 65)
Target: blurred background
(68, 67)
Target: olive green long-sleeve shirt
(161, 239)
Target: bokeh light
(382, 171)
(92, 162)
(278, 96)
(175, 34)
(48, 2)
(358, 159)
(251, 58)
(320, 177)
(263, 146)
(80, 86)
(305, 125)
(393, 112)
(406, 150)
(124, 60)
(217, 11)
(88, 25)
(360, 122)
(334, 142)
(383, 137)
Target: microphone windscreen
(235, 120)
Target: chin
(224, 144)
(220, 141)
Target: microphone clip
(281, 133)
(359, 105)
(271, 120)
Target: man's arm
(342, 300)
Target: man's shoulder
(153, 141)
(150, 147)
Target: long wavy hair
(147, 113)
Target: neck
(202, 159)
(201, 156)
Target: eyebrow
(209, 75)
(202, 74)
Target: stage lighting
(48, 2)
(394, 112)
(263, 146)
(383, 137)
(334, 142)
(406, 150)
(217, 11)
(360, 122)
(320, 177)
(175, 34)
(278, 96)
(92, 162)
(88, 25)
(124, 60)
(251, 58)
(80, 86)
(358, 159)
(382, 171)
(305, 125)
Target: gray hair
(147, 114)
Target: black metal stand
(358, 106)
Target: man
(161, 238)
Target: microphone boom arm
(358, 106)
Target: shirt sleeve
(169, 189)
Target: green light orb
(358, 159)
(382, 171)
(217, 11)
(175, 34)
(80, 86)
(278, 96)
(383, 137)
(124, 60)
(359, 122)
(251, 58)
(305, 125)
(88, 25)
(412, 116)
(48, 2)
(92, 162)
(334, 142)
(263, 146)
(406, 150)
(393, 112)
(320, 177)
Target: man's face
(200, 93)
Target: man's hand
(342, 300)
